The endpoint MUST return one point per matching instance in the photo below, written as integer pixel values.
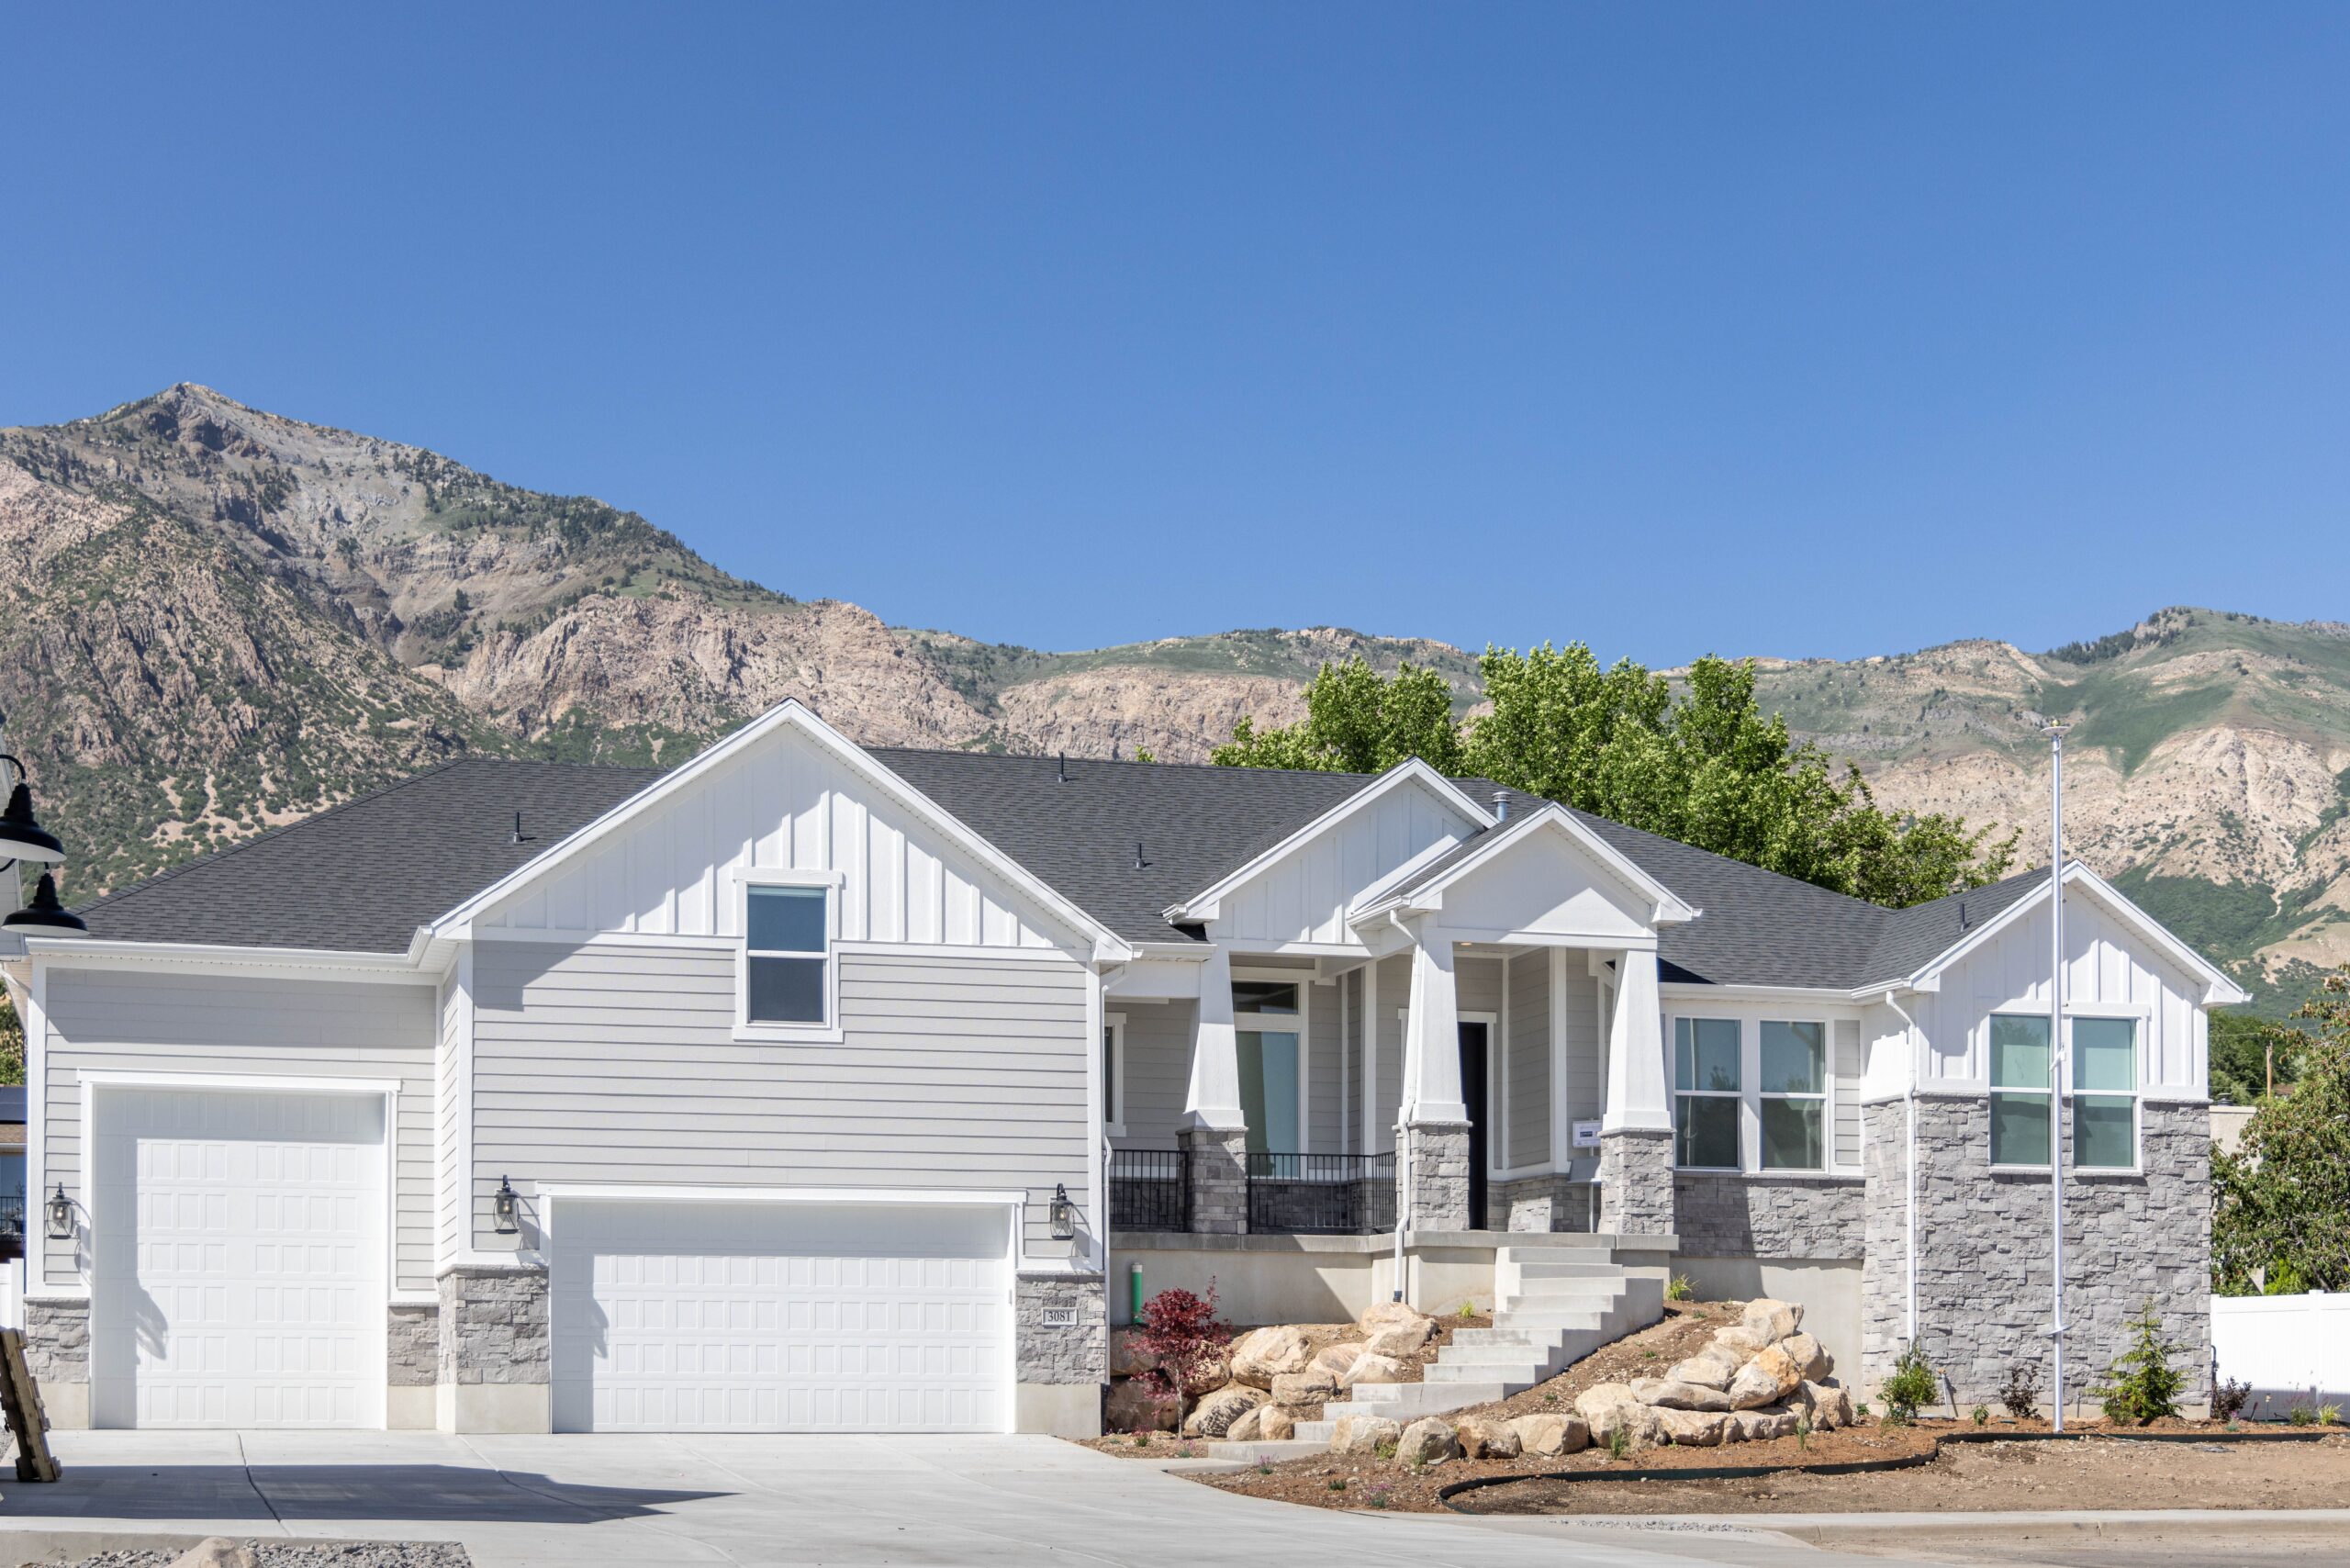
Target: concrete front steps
(1553, 1306)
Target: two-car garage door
(761, 1316)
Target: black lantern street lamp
(1063, 1213)
(60, 1215)
(503, 1208)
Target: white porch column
(1213, 1100)
(1636, 1087)
(1432, 1036)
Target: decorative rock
(1693, 1429)
(1369, 1367)
(1214, 1416)
(217, 1551)
(1263, 1354)
(1336, 1359)
(1381, 1314)
(1829, 1405)
(1426, 1441)
(1312, 1386)
(1128, 1359)
(1363, 1434)
(1808, 1358)
(1602, 1397)
(1761, 1426)
(1738, 1342)
(1274, 1424)
(1712, 1367)
(1769, 1377)
(1132, 1409)
(1609, 1407)
(1249, 1427)
(1487, 1437)
(1676, 1395)
(1551, 1434)
(1767, 1322)
(1402, 1340)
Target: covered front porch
(1475, 1046)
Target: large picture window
(2105, 1093)
(1794, 1095)
(1706, 1095)
(1267, 1017)
(2019, 1091)
(787, 955)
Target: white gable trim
(1665, 907)
(2218, 990)
(1204, 904)
(789, 714)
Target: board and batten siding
(786, 804)
(123, 1021)
(1304, 897)
(614, 1064)
(1528, 1142)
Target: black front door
(1473, 1059)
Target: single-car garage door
(770, 1316)
(238, 1266)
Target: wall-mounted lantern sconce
(503, 1208)
(1064, 1213)
(60, 1215)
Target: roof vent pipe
(1060, 767)
(1501, 805)
(519, 836)
(1140, 864)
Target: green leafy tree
(1357, 721)
(2245, 1048)
(1703, 765)
(12, 1042)
(2281, 1201)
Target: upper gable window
(1263, 996)
(786, 980)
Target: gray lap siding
(957, 1070)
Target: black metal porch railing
(12, 1215)
(1321, 1194)
(1150, 1189)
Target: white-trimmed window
(1705, 1094)
(2019, 1091)
(1794, 1094)
(787, 979)
(1113, 1073)
(2105, 1093)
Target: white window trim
(829, 1030)
(1991, 1087)
(1114, 1114)
(1299, 1024)
(1749, 1119)
(1826, 1097)
(2136, 1018)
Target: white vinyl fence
(2292, 1349)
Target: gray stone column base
(494, 1355)
(1063, 1354)
(1436, 1156)
(1636, 1183)
(57, 1352)
(412, 1367)
(1219, 1176)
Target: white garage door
(239, 1257)
(776, 1317)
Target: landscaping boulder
(1487, 1437)
(1381, 1314)
(1766, 1379)
(1761, 1426)
(1829, 1405)
(1274, 1424)
(1368, 1368)
(1132, 1409)
(1712, 1367)
(217, 1551)
(1251, 1425)
(1808, 1358)
(1402, 1340)
(1551, 1434)
(1312, 1386)
(1693, 1429)
(1608, 1406)
(1336, 1359)
(1736, 1340)
(1675, 1396)
(1214, 1416)
(1767, 1322)
(1426, 1441)
(1128, 1359)
(1263, 1354)
(1363, 1434)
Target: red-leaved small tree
(1180, 1339)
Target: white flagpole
(2057, 1057)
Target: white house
(810, 1086)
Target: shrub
(1803, 1433)
(1911, 1385)
(1181, 1337)
(1337, 1483)
(2022, 1396)
(1619, 1442)
(2228, 1398)
(1677, 1288)
(2142, 1385)
(2300, 1416)
(2329, 1415)
(1982, 1415)
(1386, 1450)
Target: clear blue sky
(1756, 329)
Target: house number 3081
(1061, 1318)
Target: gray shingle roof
(363, 876)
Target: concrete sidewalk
(577, 1502)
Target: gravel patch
(280, 1554)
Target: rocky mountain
(222, 618)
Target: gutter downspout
(1403, 1154)
(1909, 1098)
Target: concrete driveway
(581, 1501)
